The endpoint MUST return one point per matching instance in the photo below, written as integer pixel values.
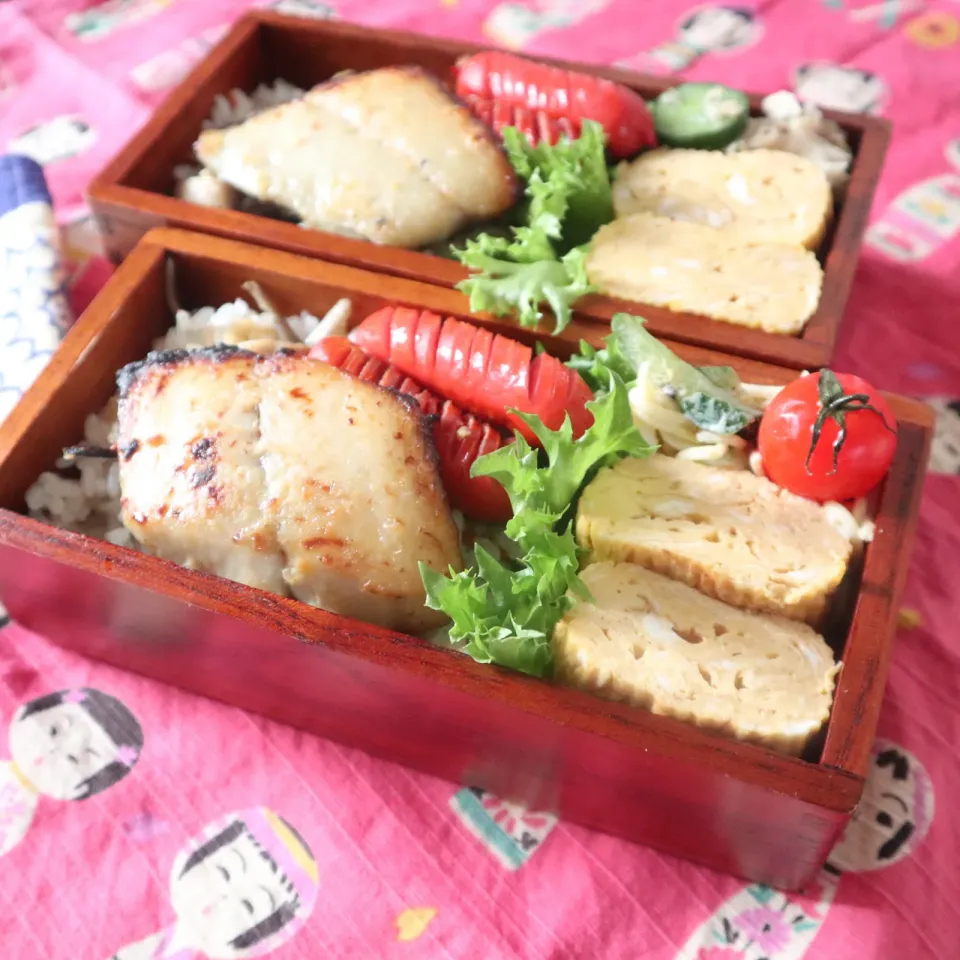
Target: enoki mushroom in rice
(660, 421)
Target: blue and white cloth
(34, 311)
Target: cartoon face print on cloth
(34, 312)
(54, 140)
(924, 218)
(719, 29)
(69, 745)
(760, 923)
(240, 889)
(945, 447)
(894, 814)
(513, 25)
(835, 87)
(716, 29)
(510, 831)
(311, 9)
(103, 19)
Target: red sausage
(484, 373)
(536, 125)
(544, 102)
(461, 439)
(339, 352)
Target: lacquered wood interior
(131, 194)
(732, 806)
(742, 812)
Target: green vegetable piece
(552, 488)
(724, 377)
(448, 249)
(494, 621)
(595, 366)
(703, 116)
(578, 168)
(506, 614)
(518, 287)
(665, 369)
(543, 261)
(709, 413)
(631, 347)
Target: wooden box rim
(834, 783)
(812, 349)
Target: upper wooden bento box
(732, 806)
(134, 193)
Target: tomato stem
(835, 405)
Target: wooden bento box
(135, 191)
(732, 806)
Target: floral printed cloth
(138, 822)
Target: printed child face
(226, 894)
(836, 87)
(717, 28)
(894, 813)
(952, 153)
(303, 8)
(945, 448)
(58, 749)
(57, 139)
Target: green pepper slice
(704, 116)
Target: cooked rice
(230, 323)
(89, 503)
(237, 106)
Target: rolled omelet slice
(764, 196)
(661, 645)
(691, 268)
(730, 534)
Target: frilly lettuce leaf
(513, 280)
(568, 197)
(550, 490)
(595, 366)
(506, 614)
(576, 169)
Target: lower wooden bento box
(731, 806)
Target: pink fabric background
(93, 876)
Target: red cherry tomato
(801, 444)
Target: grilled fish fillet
(387, 156)
(689, 267)
(764, 196)
(662, 645)
(283, 473)
(735, 536)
